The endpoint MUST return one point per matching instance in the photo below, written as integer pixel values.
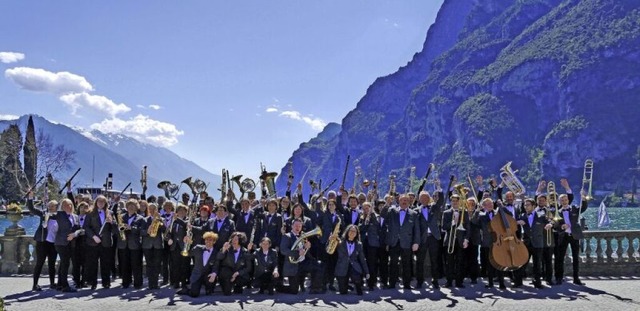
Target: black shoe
(407, 287)
(106, 286)
(183, 291)
(316, 292)
(435, 285)
(448, 285)
(488, 286)
(419, 285)
(578, 282)
(388, 286)
(69, 290)
(332, 288)
(94, 286)
(474, 281)
(549, 282)
(125, 286)
(459, 285)
(558, 282)
(359, 293)
(502, 286)
(36, 288)
(271, 292)
(165, 282)
(538, 285)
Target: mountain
(118, 154)
(543, 83)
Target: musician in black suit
(297, 271)
(534, 222)
(45, 238)
(351, 214)
(369, 229)
(68, 230)
(330, 220)
(429, 217)
(222, 226)
(168, 214)
(80, 252)
(470, 254)
(266, 268)
(130, 249)
(549, 241)
(246, 221)
(569, 234)
(205, 266)
(99, 239)
(403, 239)
(455, 221)
(483, 217)
(383, 251)
(235, 264)
(152, 246)
(351, 260)
(200, 223)
(179, 264)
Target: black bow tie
(219, 220)
(207, 250)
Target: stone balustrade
(606, 253)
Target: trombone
(587, 182)
(552, 197)
(462, 209)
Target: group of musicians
(356, 241)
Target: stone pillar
(10, 259)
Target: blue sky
(226, 84)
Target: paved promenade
(620, 294)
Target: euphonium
(332, 244)
(299, 244)
(155, 225)
(511, 180)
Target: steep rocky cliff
(543, 83)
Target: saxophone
(155, 225)
(121, 225)
(333, 243)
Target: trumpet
(587, 182)
(553, 202)
(510, 179)
(462, 209)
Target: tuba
(268, 178)
(510, 179)
(299, 244)
(333, 243)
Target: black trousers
(311, 267)
(432, 245)
(383, 265)
(561, 250)
(195, 287)
(98, 256)
(371, 255)
(455, 265)
(165, 263)
(45, 250)
(79, 258)
(329, 261)
(179, 268)
(492, 272)
(265, 281)
(227, 285)
(65, 252)
(547, 263)
(536, 255)
(400, 255)
(131, 264)
(153, 257)
(470, 261)
(356, 278)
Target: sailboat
(603, 216)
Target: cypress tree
(30, 153)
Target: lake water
(621, 219)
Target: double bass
(508, 253)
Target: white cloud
(143, 129)
(315, 123)
(272, 109)
(8, 117)
(141, 106)
(155, 107)
(40, 80)
(96, 102)
(11, 57)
